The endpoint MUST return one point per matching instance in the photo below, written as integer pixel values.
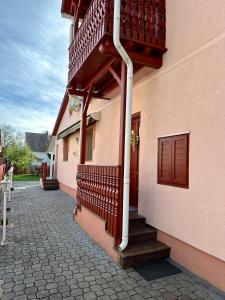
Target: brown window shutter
(180, 160)
(164, 160)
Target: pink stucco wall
(202, 264)
(95, 227)
(186, 95)
(66, 170)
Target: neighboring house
(177, 169)
(38, 142)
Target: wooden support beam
(115, 75)
(72, 7)
(111, 84)
(83, 133)
(85, 105)
(122, 113)
(100, 73)
(77, 8)
(88, 98)
(142, 59)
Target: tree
(21, 156)
(10, 135)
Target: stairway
(50, 184)
(143, 245)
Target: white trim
(174, 134)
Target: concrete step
(136, 220)
(50, 181)
(143, 245)
(141, 252)
(50, 187)
(50, 184)
(141, 234)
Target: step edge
(162, 248)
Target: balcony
(142, 34)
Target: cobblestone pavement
(48, 256)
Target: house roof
(61, 113)
(38, 142)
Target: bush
(21, 156)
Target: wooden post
(83, 128)
(122, 113)
(83, 133)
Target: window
(173, 154)
(89, 144)
(65, 148)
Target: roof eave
(61, 113)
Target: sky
(34, 41)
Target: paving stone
(19, 287)
(169, 296)
(40, 282)
(83, 284)
(90, 296)
(8, 296)
(42, 294)
(23, 297)
(96, 287)
(185, 298)
(55, 297)
(64, 288)
(76, 292)
(30, 290)
(51, 286)
(49, 257)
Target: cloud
(33, 63)
(21, 119)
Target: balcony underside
(95, 68)
(92, 53)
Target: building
(38, 142)
(177, 130)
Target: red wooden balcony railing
(99, 191)
(142, 22)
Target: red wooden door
(134, 162)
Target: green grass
(26, 178)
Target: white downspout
(126, 184)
